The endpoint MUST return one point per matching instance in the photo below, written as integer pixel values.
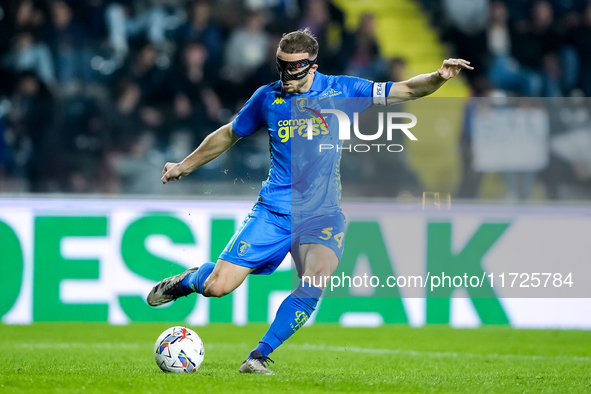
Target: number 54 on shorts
(327, 231)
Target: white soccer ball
(179, 349)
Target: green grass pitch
(96, 357)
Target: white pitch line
(79, 345)
(420, 353)
(305, 347)
(403, 352)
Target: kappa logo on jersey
(330, 93)
(243, 248)
(278, 100)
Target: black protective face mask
(283, 67)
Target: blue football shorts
(265, 237)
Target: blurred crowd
(523, 48)
(96, 95)
(536, 48)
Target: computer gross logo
(344, 123)
(315, 124)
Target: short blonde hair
(300, 41)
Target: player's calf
(216, 286)
(223, 279)
(292, 314)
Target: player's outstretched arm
(426, 84)
(212, 146)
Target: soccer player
(314, 236)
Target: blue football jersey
(303, 179)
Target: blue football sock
(196, 280)
(264, 348)
(291, 316)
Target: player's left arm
(426, 84)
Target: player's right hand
(172, 172)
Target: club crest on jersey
(302, 103)
(243, 248)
